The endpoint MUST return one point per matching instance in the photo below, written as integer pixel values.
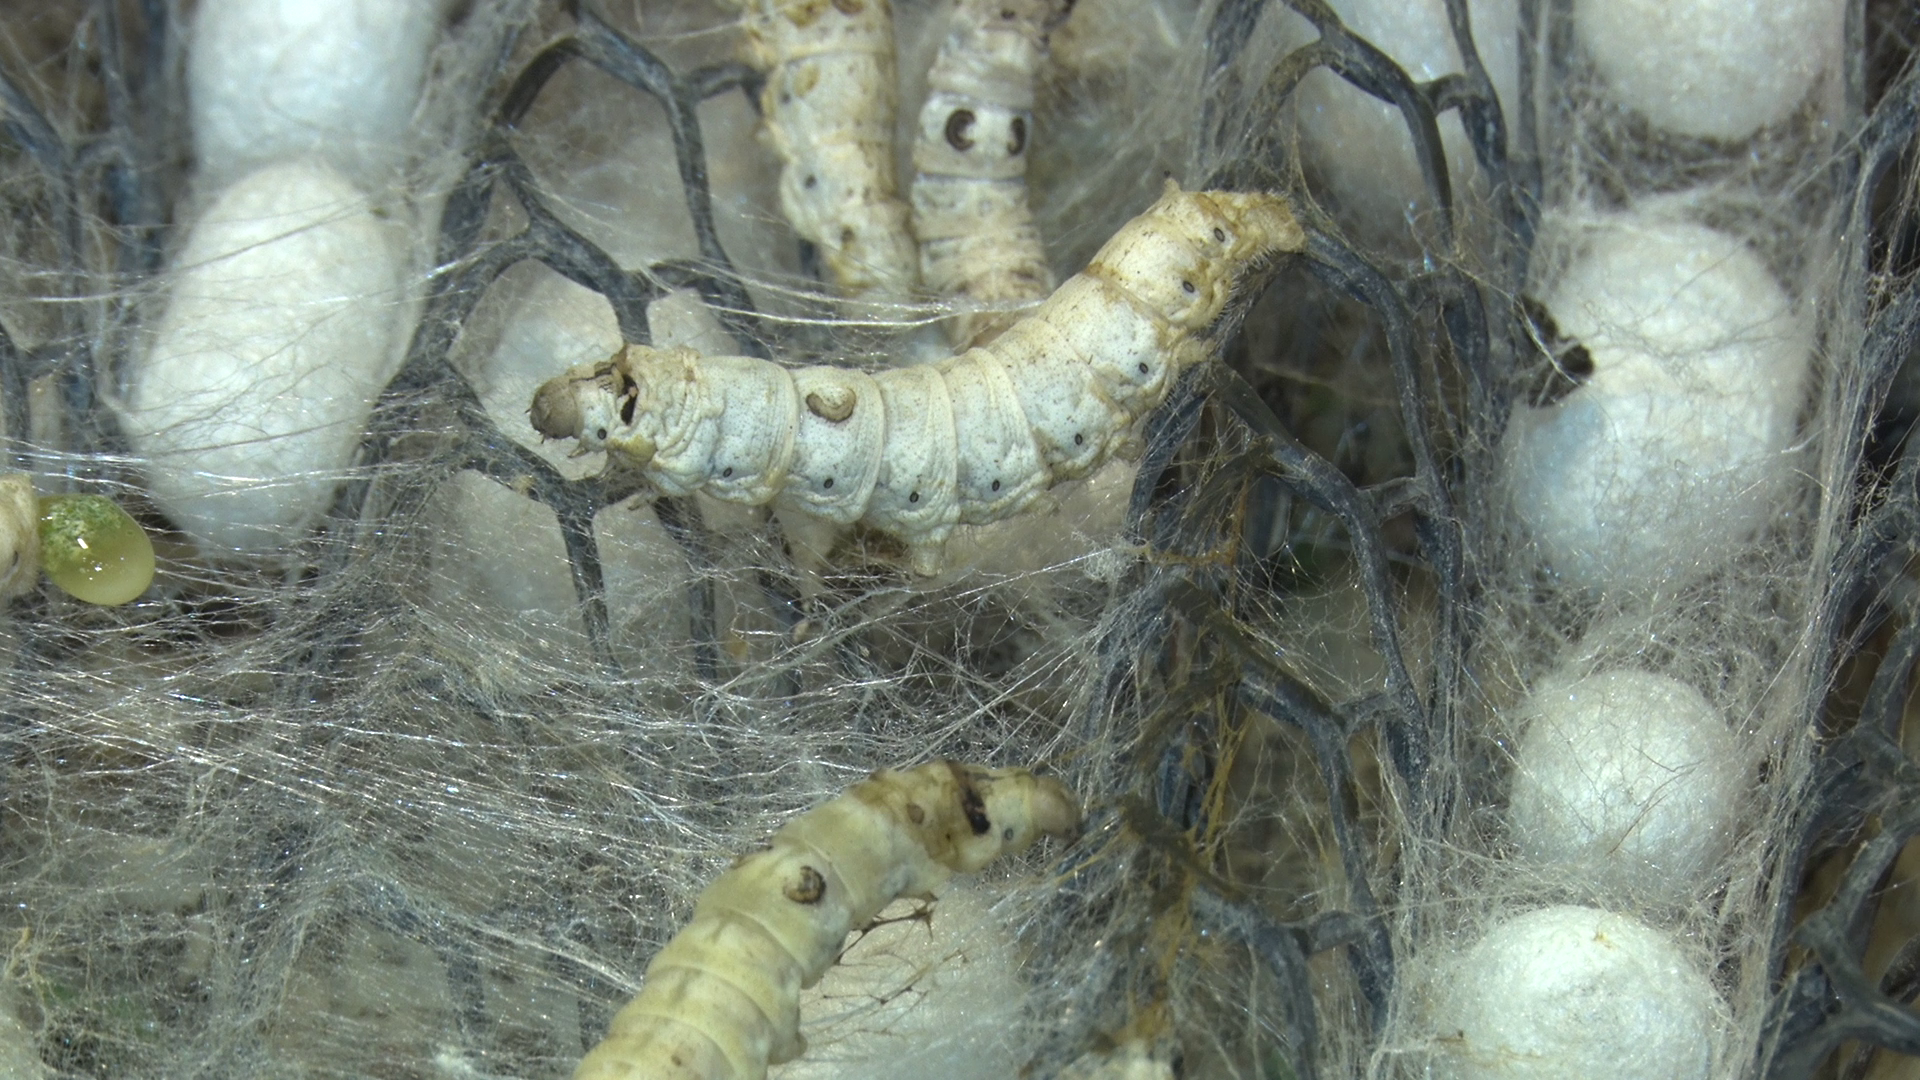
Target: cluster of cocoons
(1719, 69)
(1675, 449)
(288, 297)
(1572, 993)
(1627, 784)
(1357, 144)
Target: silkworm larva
(87, 544)
(972, 439)
(722, 1000)
(828, 110)
(978, 242)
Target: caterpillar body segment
(721, 1000)
(19, 534)
(971, 439)
(977, 238)
(828, 111)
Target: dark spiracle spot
(827, 483)
(1078, 439)
(810, 181)
(602, 433)
(1019, 141)
(1144, 369)
(1189, 287)
(996, 485)
(1219, 236)
(914, 497)
(957, 125)
(809, 889)
(726, 472)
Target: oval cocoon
(1628, 781)
(1675, 451)
(274, 79)
(1573, 993)
(1721, 69)
(280, 332)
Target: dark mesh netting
(412, 782)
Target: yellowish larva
(87, 544)
(978, 243)
(722, 1000)
(972, 439)
(828, 110)
(19, 534)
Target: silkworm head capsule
(591, 403)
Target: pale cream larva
(972, 439)
(978, 243)
(828, 110)
(722, 1000)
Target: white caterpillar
(828, 109)
(971, 439)
(722, 999)
(977, 238)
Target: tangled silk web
(1530, 571)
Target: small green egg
(93, 549)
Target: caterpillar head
(593, 403)
(1181, 258)
(1007, 810)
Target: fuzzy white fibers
(1720, 69)
(282, 327)
(274, 79)
(939, 999)
(1675, 451)
(1629, 783)
(19, 1060)
(1572, 993)
(1358, 145)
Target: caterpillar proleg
(828, 110)
(722, 1000)
(978, 242)
(971, 439)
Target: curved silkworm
(828, 109)
(978, 242)
(722, 1000)
(972, 439)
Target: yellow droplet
(93, 549)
